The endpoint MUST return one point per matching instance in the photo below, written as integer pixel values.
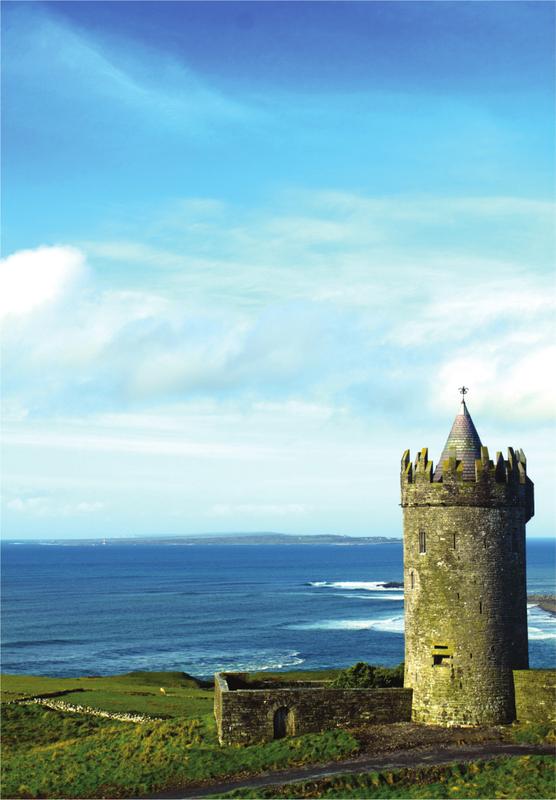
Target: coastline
(545, 601)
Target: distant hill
(275, 538)
(263, 538)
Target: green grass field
(136, 692)
(50, 753)
(515, 778)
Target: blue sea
(96, 610)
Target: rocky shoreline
(545, 601)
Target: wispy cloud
(294, 368)
(43, 506)
(145, 444)
(257, 510)
(510, 381)
(343, 324)
(260, 282)
(91, 68)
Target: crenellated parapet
(496, 482)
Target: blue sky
(252, 249)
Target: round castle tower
(464, 576)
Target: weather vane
(463, 390)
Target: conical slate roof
(465, 440)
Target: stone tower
(464, 575)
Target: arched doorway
(284, 722)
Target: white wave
(541, 624)
(388, 625)
(373, 597)
(539, 616)
(534, 610)
(537, 633)
(253, 663)
(367, 586)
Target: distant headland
(545, 601)
(261, 538)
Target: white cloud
(257, 510)
(140, 444)
(13, 410)
(254, 313)
(507, 382)
(26, 504)
(518, 299)
(86, 507)
(134, 252)
(43, 506)
(30, 279)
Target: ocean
(72, 610)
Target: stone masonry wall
(459, 611)
(535, 695)
(465, 593)
(246, 716)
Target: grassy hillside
(52, 753)
(49, 753)
(518, 777)
(136, 692)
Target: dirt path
(365, 763)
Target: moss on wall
(247, 716)
(465, 591)
(535, 695)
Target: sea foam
(367, 586)
(375, 597)
(541, 624)
(386, 625)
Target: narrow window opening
(412, 581)
(441, 655)
(458, 595)
(454, 541)
(480, 606)
(422, 542)
(485, 542)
